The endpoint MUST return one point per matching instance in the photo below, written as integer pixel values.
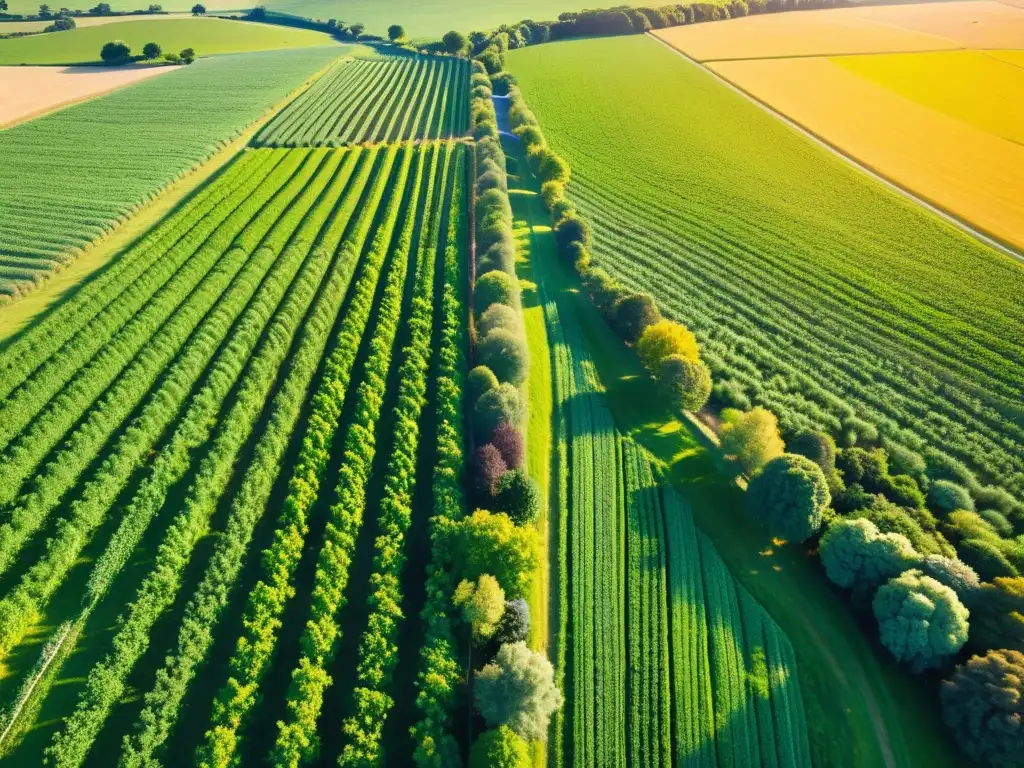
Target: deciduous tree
(482, 603)
(789, 495)
(752, 437)
(921, 622)
(518, 690)
(983, 703)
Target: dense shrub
(993, 497)
(983, 704)
(509, 442)
(945, 496)
(506, 353)
(500, 404)
(480, 380)
(788, 496)
(904, 461)
(518, 496)
(482, 603)
(889, 518)
(551, 192)
(499, 748)
(486, 542)
(115, 52)
(752, 437)
(518, 690)
(955, 574)
(494, 288)
(501, 83)
(634, 314)
(685, 384)
(572, 229)
(515, 623)
(998, 522)
(985, 557)
(819, 447)
(921, 622)
(962, 524)
(488, 468)
(498, 316)
(997, 614)
(857, 556)
(602, 290)
(666, 338)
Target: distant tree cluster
(118, 52)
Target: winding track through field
(944, 215)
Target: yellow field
(873, 29)
(918, 119)
(973, 86)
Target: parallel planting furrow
(297, 737)
(17, 608)
(440, 671)
(301, 273)
(65, 469)
(262, 621)
(371, 100)
(378, 652)
(162, 703)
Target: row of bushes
(440, 676)
(667, 349)
(620, 20)
(494, 555)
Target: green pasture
(206, 36)
(819, 291)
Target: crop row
(97, 496)
(296, 277)
(647, 608)
(78, 328)
(70, 177)
(440, 671)
(261, 622)
(103, 416)
(378, 652)
(162, 704)
(386, 99)
(297, 737)
(660, 641)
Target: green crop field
(372, 100)
(205, 36)
(293, 262)
(658, 642)
(71, 176)
(821, 293)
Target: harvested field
(875, 29)
(30, 91)
(955, 145)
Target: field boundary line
(950, 218)
(60, 285)
(25, 695)
(61, 105)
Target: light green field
(206, 36)
(818, 290)
(8, 27)
(421, 20)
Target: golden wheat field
(955, 145)
(873, 29)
